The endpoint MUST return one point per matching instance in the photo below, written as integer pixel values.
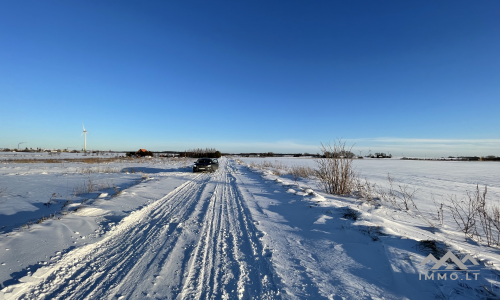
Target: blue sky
(412, 77)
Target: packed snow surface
(238, 233)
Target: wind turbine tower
(85, 138)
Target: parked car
(206, 165)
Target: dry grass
(89, 186)
(98, 169)
(117, 190)
(301, 172)
(278, 168)
(437, 248)
(95, 160)
(52, 199)
(89, 160)
(2, 191)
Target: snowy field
(151, 229)
(438, 177)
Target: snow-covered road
(198, 242)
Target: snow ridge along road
(198, 242)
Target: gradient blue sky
(412, 77)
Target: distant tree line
(272, 154)
(381, 155)
(458, 158)
(490, 158)
(338, 154)
(199, 152)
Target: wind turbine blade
(83, 127)
(81, 134)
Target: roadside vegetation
(475, 216)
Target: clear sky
(412, 77)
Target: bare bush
(495, 221)
(439, 210)
(401, 198)
(365, 190)
(483, 213)
(467, 211)
(477, 218)
(335, 170)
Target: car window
(215, 161)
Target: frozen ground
(240, 233)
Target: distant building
(140, 153)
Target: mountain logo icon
(460, 263)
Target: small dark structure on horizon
(140, 153)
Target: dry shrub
(401, 198)
(335, 170)
(475, 217)
(365, 190)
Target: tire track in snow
(229, 259)
(96, 270)
(198, 242)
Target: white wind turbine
(85, 138)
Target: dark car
(206, 165)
